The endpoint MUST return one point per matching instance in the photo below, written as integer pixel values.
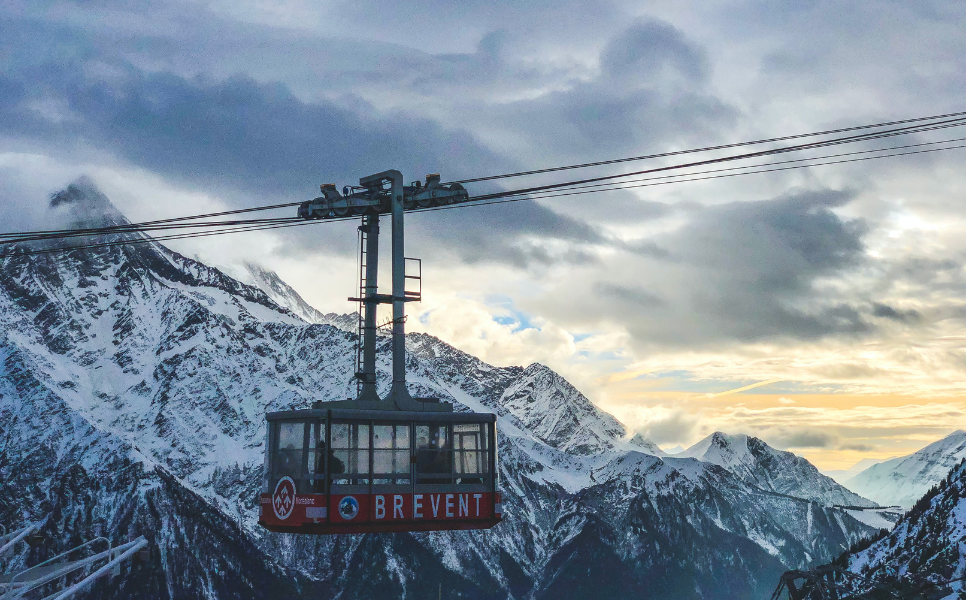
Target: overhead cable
(708, 148)
(588, 185)
(784, 150)
(146, 224)
(558, 194)
(298, 222)
(149, 239)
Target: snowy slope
(136, 381)
(903, 480)
(759, 464)
(285, 296)
(924, 556)
(558, 415)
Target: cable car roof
(381, 415)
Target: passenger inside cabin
(434, 461)
(289, 463)
(336, 466)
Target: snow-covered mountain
(759, 464)
(903, 480)
(924, 556)
(285, 296)
(133, 383)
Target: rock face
(924, 556)
(903, 480)
(760, 465)
(133, 384)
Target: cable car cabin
(353, 471)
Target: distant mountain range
(903, 480)
(133, 384)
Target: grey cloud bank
(221, 98)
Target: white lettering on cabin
(417, 505)
(380, 507)
(435, 500)
(449, 506)
(464, 505)
(397, 506)
(477, 496)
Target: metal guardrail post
(127, 550)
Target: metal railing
(19, 585)
(12, 539)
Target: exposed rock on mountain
(760, 465)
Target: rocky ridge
(760, 465)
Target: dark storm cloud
(675, 427)
(744, 271)
(887, 312)
(775, 245)
(649, 50)
(235, 134)
(516, 234)
(759, 261)
(630, 295)
(644, 247)
(859, 447)
(651, 90)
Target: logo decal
(348, 508)
(283, 500)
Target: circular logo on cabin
(348, 508)
(283, 500)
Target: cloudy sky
(820, 309)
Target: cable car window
(349, 459)
(434, 454)
(315, 463)
(288, 457)
(390, 454)
(469, 452)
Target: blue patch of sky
(517, 320)
(520, 321)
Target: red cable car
(375, 464)
(350, 471)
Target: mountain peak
(639, 441)
(82, 204)
(559, 415)
(771, 469)
(725, 440)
